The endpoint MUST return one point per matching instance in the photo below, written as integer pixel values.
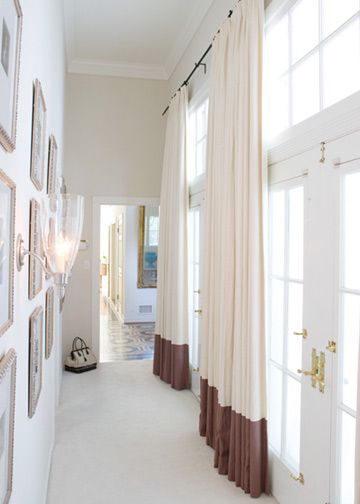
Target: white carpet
(123, 436)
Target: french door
(314, 325)
(196, 216)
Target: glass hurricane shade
(62, 222)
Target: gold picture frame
(35, 358)
(7, 250)
(38, 137)
(147, 250)
(10, 46)
(35, 269)
(49, 321)
(7, 422)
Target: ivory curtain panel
(233, 365)
(171, 357)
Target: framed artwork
(38, 138)
(7, 417)
(35, 269)
(148, 242)
(35, 358)
(53, 148)
(49, 321)
(7, 237)
(10, 35)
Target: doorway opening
(127, 277)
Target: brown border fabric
(240, 445)
(171, 363)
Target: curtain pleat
(171, 354)
(233, 360)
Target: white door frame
(97, 201)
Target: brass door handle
(307, 373)
(197, 291)
(303, 333)
(199, 312)
(299, 478)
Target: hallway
(125, 437)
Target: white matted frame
(10, 41)
(49, 321)
(98, 201)
(52, 162)
(7, 419)
(7, 236)
(35, 270)
(35, 358)
(38, 137)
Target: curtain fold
(233, 362)
(171, 356)
(357, 447)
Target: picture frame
(52, 165)
(38, 137)
(7, 423)
(49, 321)
(35, 246)
(35, 358)
(7, 251)
(10, 45)
(148, 247)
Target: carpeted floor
(125, 437)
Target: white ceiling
(130, 38)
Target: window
(197, 139)
(312, 60)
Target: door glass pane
(304, 14)
(194, 284)
(305, 89)
(350, 343)
(341, 73)
(277, 320)
(277, 106)
(191, 145)
(296, 233)
(347, 460)
(336, 12)
(200, 157)
(275, 407)
(295, 324)
(277, 201)
(293, 408)
(201, 121)
(351, 231)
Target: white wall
(114, 147)
(42, 57)
(134, 297)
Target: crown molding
(117, 69)
(186, 35)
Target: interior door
(195, 293)
(314, 319)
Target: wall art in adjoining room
(35, 358)
(38, 139)
(35, 269)
(49, 321)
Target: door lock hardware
(331, 346)
(196, 370)
(199, 312)
(317, 372)
(299, 478)
(303, 333)
(197, 291)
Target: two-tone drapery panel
(171, 358)
(233, 361)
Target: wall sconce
(62, 219)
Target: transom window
(312, 59)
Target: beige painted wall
(114, 136)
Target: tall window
(197, 139)
(312, 59)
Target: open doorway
(127, 277)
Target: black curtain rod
(197, 65)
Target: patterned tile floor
(119, 341)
